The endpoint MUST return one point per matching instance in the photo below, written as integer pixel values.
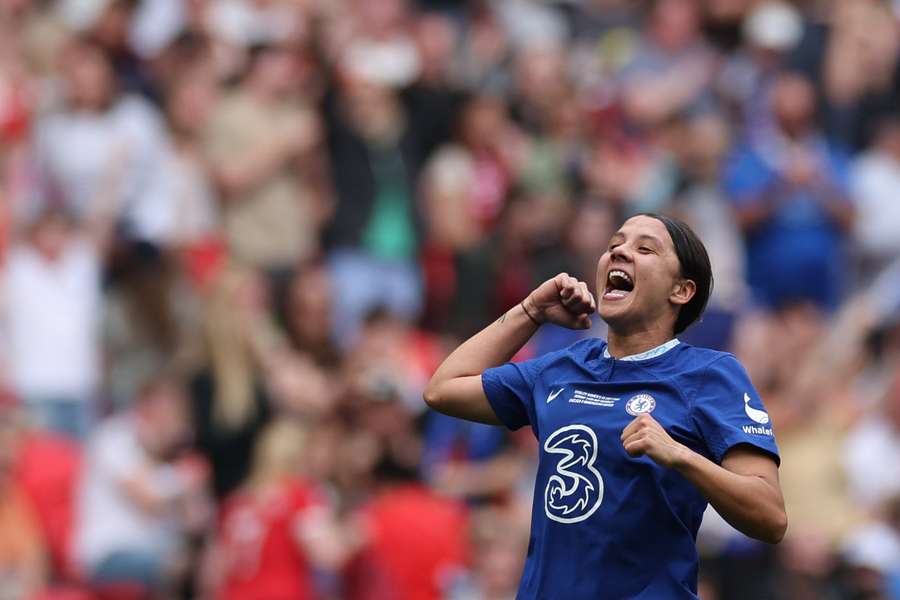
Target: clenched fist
(644, 436)
(563, 301)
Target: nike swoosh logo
(552, 396)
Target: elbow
(780, 529)
(432, 397)
(776, 529)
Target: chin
(612, 316)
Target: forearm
(241, 174)
(760, 209)
(455, 388)
(492, 346)
(749, 503)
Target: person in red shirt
(276, 532)
(416, 542)
(22, 551)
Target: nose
(619, 253)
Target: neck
(627, 344)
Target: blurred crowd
(237, 237)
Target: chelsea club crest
(640, 404)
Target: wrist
(682, 458)
(531, 311)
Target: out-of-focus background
(238, 236)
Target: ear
(683, 291)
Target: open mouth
(618, 285)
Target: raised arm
(455, 388)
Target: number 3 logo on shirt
(575, 491)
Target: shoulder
(709, 374)
(577, 353)
(699, 362)
(587, 348)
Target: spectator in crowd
(23, 558)
(140, 494)
(672, 69)
(874, 180)
(415, 539)
(771, 31)
(120, 140)
(497, 559)
(875, 441)
(149, 320)
(860, 70)
(700, 150)
(374, 233)
(51, 319)
(789, 190)
(276, 537)
(256, 141)
(230, 404)
(194, 203)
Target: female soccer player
(636, 434)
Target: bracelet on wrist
(528, 314)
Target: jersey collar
(652, 353)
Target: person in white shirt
(140, 494)
(875, 180)
(50, 286)
(100, 138)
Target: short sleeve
(509, 389)
(727, 411)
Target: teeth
(618, 273)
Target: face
(190, 103)
(675, 22)
(166, 420)
(89, 78)
(51, 236)
(277, 70)
(794, 102)
(638, 278)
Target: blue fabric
(367, 283)
(447, 439)
(797, 254)
(72, 417)
(122, 567)
(606, 525)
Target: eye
(645, 250)
(614, 246)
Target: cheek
(656, 279)
(602, 266)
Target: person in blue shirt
(636, 434)
(789, 187)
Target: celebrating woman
(637, 434)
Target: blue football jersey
(604, 525)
